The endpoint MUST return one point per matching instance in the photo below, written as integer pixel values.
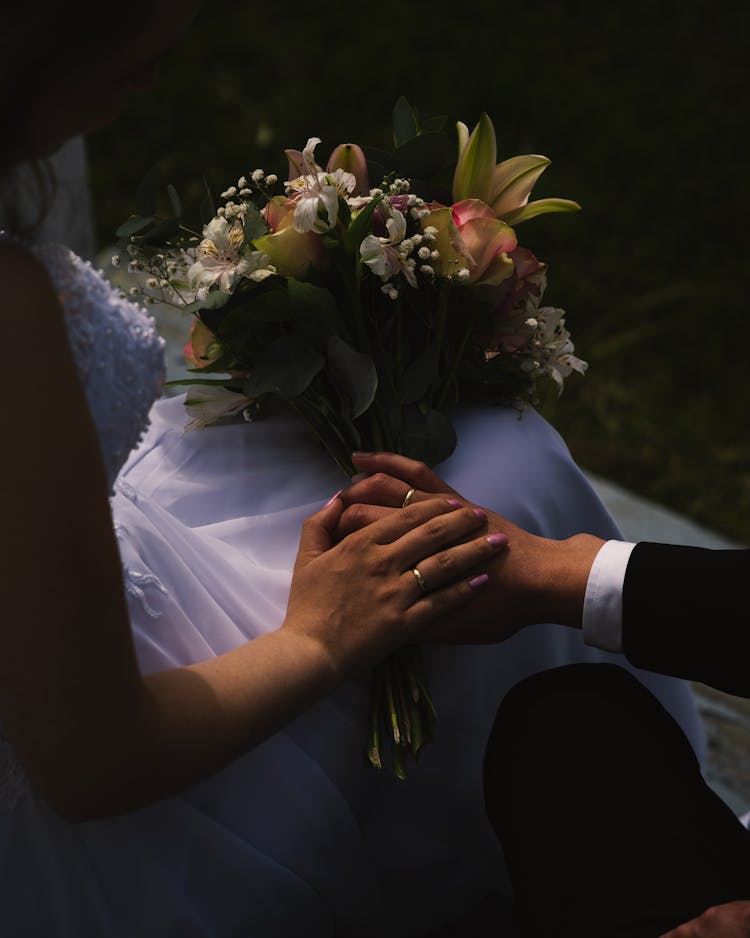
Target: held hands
(359, 599)
(534, 580)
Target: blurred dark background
(643, 109)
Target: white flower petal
(396, 226)
(330, 198)
(306, 213)
(209, 403)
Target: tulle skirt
(298, 836)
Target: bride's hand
(731, 920)
(360, 598)
(535, 580)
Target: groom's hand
(535, 580)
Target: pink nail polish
(497, 540)
(479, 513)
(454, 502)
(478, 581)
(333, 498)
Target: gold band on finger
(407, 498)
(419, 578)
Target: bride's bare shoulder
(31, 312)
(27, 293)
(23, 276)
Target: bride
(223, 792)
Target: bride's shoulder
(22, 272)
(27, 295)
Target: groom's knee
(590, 719)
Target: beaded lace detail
(120, 361)
(117, 350)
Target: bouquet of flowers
(370, 310)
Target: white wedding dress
(298, 837)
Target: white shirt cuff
(602, 604)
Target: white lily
(219, 258)
(315, 193)
(384, 256)
(207, 404)
(556, 347)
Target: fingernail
(358, 454)
(478, 581)
(359, 477)
(479, 513)
(333, 498)
(454, 502)
(497, 540)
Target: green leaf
(314, 308)
(255, 224)
(361, 226)
(164, 230)
(145, 193)
(259, 306)
(433, 125)
(250, 323)
(174, 201)
(419, 376)
(429, 437)
(207, 208)
(345, 215)
(212, 382)
(405, 124)
(353, 373)
(286, 367)
(133, 225)
(423, 156)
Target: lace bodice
(119, 357)
(117, 351)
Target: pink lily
(469, 238)
(292, 253)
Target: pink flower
(471, 243)
(292, 253)
(202, 347)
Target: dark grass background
(643, 109)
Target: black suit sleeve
(685, 613)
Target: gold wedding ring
(407, 499)
(418, 577)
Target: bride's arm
(94, 736)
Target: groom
(659, 848)
(606, 822)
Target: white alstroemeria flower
(554, 350)
(206, 404)
(315, 193)
(382, 255)
(218, 257)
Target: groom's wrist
(563, 578)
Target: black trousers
(607, 825)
